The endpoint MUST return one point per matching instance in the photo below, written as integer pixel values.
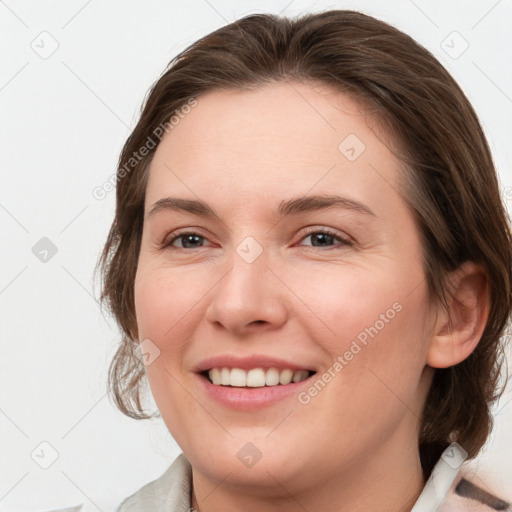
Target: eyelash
(324, 231)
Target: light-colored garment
(171, 491)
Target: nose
(248, 297)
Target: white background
(64, 120)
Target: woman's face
(253, 273)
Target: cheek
(372, 319)
(344, 300)
(161, 311)
(384, 359)
(163, 301)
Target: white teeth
(272, 377)
(285, 377)
(224, 377)
(300, 375)
(256, 377)
(238, 378)
(215, 375)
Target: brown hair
(449, 181)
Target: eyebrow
(286, 208)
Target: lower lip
(251, 398)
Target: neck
(388, 481)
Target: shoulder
(170, 491)
(74, 508)
(467, 496)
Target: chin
(249, 463)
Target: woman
(310, 262)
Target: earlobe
(459, 328)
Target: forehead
(279, 137)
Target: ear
(458, 330)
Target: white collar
(171, 491)
(441, 479)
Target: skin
(353, 446)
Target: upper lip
(247, 363)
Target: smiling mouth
(256, 377)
